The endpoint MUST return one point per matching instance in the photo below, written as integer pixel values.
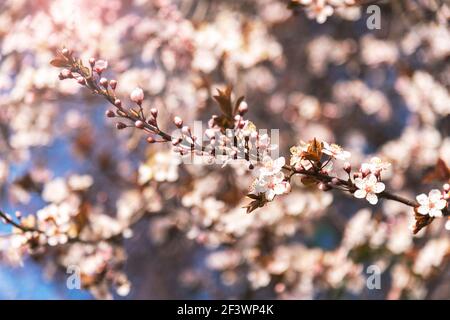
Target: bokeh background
(375, 92)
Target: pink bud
(92, 62)
(65, 52)
(110, 114)
(178, 122)
(446, 187)
(100, 66)
(139, 124)
(150, 140)
(154, 112)
(81, 80)
(243, 108)
(104, 82)
(120, 125)
(66, 73)
(137, 95)
(113, 84)
(118, 103)
(347, 167)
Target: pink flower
(368, 188)
(100, 66)
(432, 204)
(137, 95)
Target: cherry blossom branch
(306, 160)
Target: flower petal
(422, 199)
(372, 198)
(360, 194)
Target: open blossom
(431, 205)
(137, 95)
(368, 188)
(375, 166)
(335, 151)
(270, 166)
(271, 186)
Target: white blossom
(368, 188)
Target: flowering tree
(225, 186)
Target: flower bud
(66, 73)
(120, 125)
(137, 95)
(81, 80)
(446, 187)
(113, 84)
(347, 167)
(110, 114)
(65, 52)
(151, 140)
(243, 108)
(92, 62)
(178, 122)
(154, 112)
(104, 82)
(176, 141)
(152, 121)
(118, 103)
(139, 124)
(100, 66)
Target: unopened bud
(92, 61)
(113, 84)
(137, 95)
(347, 167)
(118, 103)
(152, 121)
(120, 125)
(66, 73)
(243, 108)
(151, 140)
(446, 187)
(81, 80)
(178, 122)
(104, 82)
(110, 114)
(65, 52)
(154, 112)
(139, 124)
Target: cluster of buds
(228, 137)
(91, 77)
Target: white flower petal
(360, 183)
(372, 198)
(422, 199)
(379, 187)
(423, 210)
(435, 213)
(360, 194)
